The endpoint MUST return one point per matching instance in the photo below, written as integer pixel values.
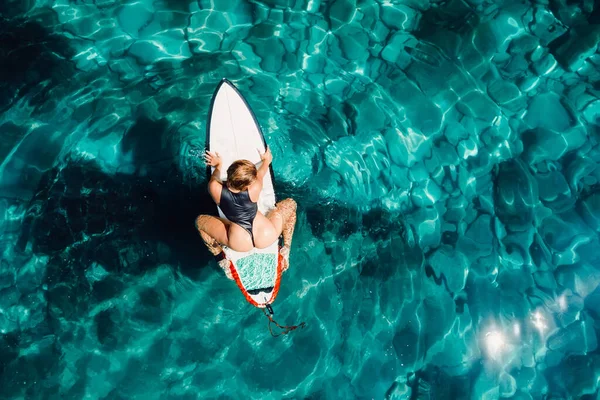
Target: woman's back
(238, 208)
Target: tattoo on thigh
(287, 209)
(211, 243)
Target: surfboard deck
(233, 132)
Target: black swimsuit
(239, 209)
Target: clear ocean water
(444, 156)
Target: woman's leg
(213, 231)
(283, 217)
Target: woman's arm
(216, 175)
(215, 186)
(266, 158)
(254, 190)
(262, 171)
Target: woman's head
(241, 174)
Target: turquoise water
(443, 155)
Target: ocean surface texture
(444, 156)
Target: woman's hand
(212, 159)
(266, 157)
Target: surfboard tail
(262, 297)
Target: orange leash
(285, 329)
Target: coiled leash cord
(285, 329)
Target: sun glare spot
(495, 344)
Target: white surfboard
(234, 133)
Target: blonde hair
(241, 174)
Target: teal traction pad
(257, 271)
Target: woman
(245, 226)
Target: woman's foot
(285, 253)
(224, 264)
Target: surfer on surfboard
(245, 227)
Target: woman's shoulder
(254, 192)
(215, 188)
